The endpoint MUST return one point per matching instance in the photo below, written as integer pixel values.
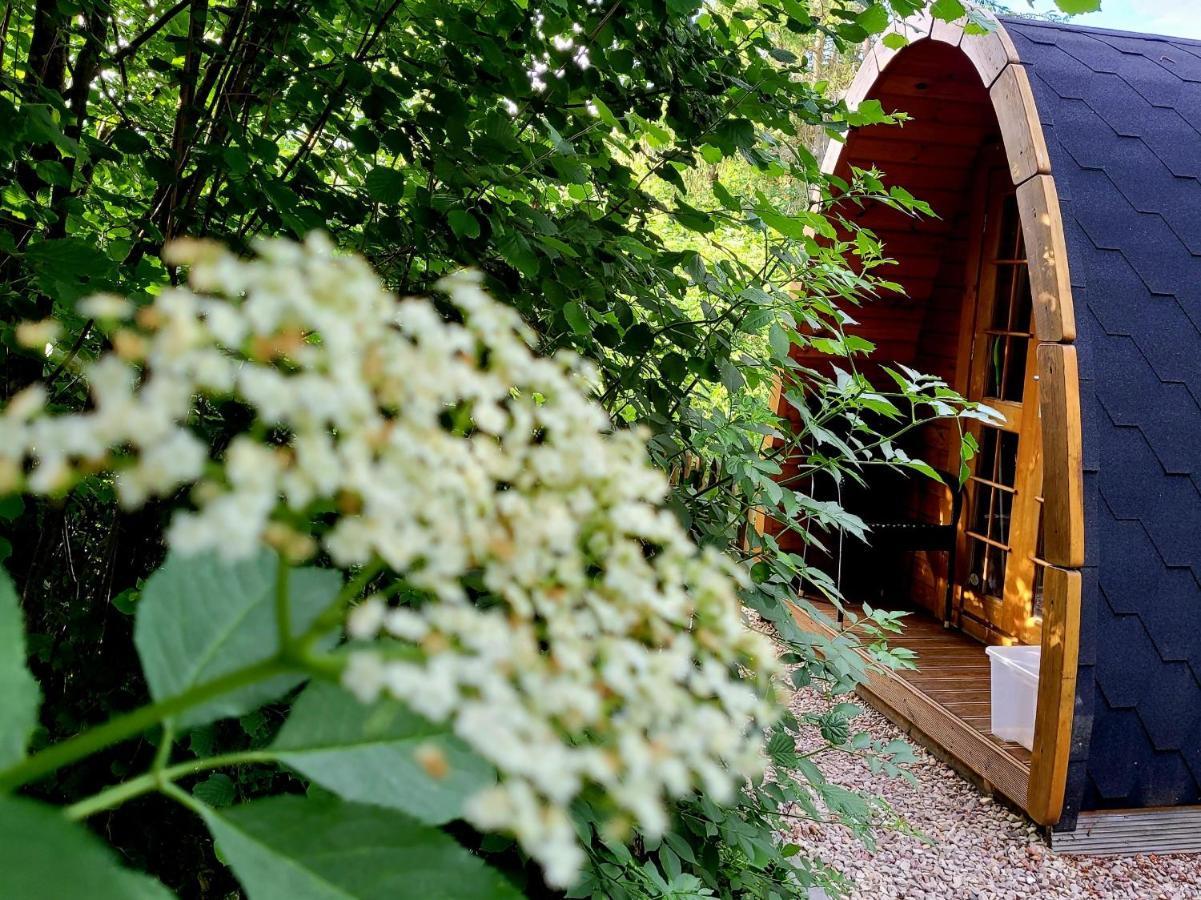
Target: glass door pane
(1000, 580)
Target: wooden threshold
(1124, 832)
(945, 708)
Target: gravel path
(978, 848)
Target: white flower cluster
(572, 634)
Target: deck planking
(953, 671)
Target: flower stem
(184, 798)
(155, 780)
(166, 740)
(332, 615)
(133, 723)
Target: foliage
(639, 189)
(552, 612)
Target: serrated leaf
(302, 848)
(1076, 7)
(873, 19)
(45, 857)
(463, 224)
(731, 378)
(201, 617)
(373, 754)
(779, 341)
(947, 10)
(19, 694)
(216, 790)
(385, 185)
(789, 226)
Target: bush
(631, 178)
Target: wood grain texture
(1063, 474)
(956, 727)
(990, 53)
(1122, 832)
(1056, 695)
(913, 29)
(947, 32)
(1047, 252)
(1025, 146)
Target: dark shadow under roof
(1122, 118)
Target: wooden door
(999, 578)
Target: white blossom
(568, 630)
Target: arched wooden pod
(1008, 88)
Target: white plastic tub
(1014, 692)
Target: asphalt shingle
(1122, 120)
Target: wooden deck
(944, 703)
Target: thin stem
(163, 754)
(132, 723)
(156, 780)
(332, 614)
(183, 798)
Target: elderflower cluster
(570, 633)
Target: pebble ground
(976, 848)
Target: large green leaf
(463, 223)
(300, 848)
(373, 754)
(201, 617)
(385, 185)
(45, 857)
(18, 690)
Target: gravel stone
(977, 849)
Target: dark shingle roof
(1122, 118)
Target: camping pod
(1060, 284)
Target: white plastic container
(1014, 692)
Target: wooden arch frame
(1001, 72)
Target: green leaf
(947, 10)
(777, 221)
(129, 141)
(673, 368)
(1075, 7)
(895, 40)
(53, 172)
(463, 224)
(693, 219)
(76, 256)
(45, 857)
(731, 378)
(216, 790)
(576, 318)
(201, 617)
(780, 342)
(300, 848)
(874, 19)
(371, 754)
(385, 185)
(18, 691)
(364, 139)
